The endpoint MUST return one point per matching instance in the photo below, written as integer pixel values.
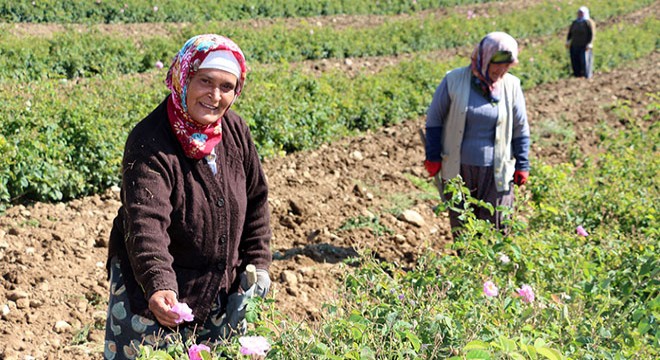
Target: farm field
(52, 254)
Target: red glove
(432, 167)
(520, 177)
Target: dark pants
(481, 182)
(581, 61)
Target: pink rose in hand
(184, 312)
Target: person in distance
(476, 127)
(194, 210)
(580, 41)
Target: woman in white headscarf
(476, 127)
(580, 40)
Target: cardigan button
(221, 266)
(223, 239)
(221, 202)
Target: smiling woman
(194, 210)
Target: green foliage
(72, 53)
(135, 11)
(607, 186)
(66, 137)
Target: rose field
(364, 265)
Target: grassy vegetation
(136, 11)
(74, 54)
(64, 139)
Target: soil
(52, 256)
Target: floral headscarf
(197, 140)
(482, 55)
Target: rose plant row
(73, 54)
(63, 140)
(136, 11)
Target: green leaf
(508, 345)
(478, 355)
(539, 343)
(476, 345)
(320, 349)
(353, 354)
(648, 266)
(530, 351)
(414, 340)
(160, 355)
(551, 354)
(516, 356)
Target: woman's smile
(210, 93)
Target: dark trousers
(579, 61)
(481, 182)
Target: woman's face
(497, 71)
(210, 93)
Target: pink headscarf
(197, 140)
(483, 53)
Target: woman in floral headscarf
(194, 210)
(476, 127)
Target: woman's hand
(520, 177)
(160, 304)
(432, 167)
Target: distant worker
(580, 43)
(476, 127)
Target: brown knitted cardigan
(182, 228)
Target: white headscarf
(585, 12)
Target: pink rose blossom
(526, 293)
(254, 345)
(504, 259)
(195, 352)
(159, 64)
(490, 289)
(184, 312)
(581, 231)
